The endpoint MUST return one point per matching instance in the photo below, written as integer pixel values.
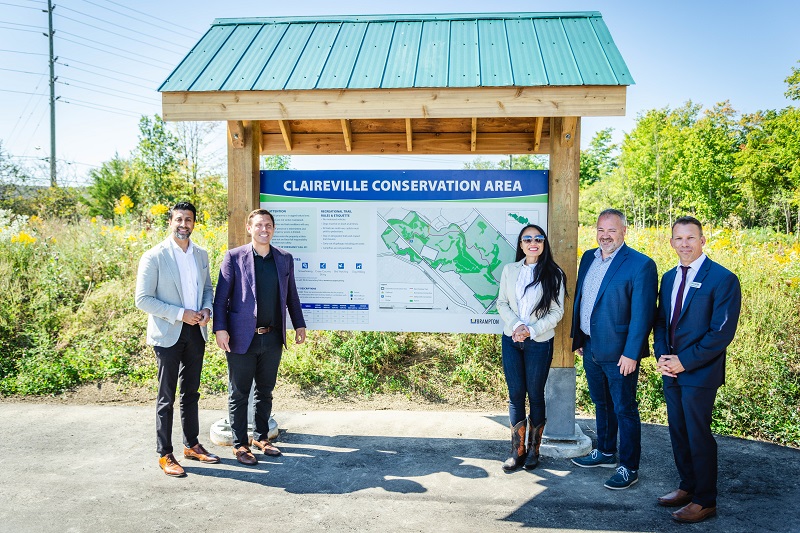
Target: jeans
(526, 365)
(259, 363)
(614, 397)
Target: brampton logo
(484, 321)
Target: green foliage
(157, 162)
(599, 160)
(114, 179)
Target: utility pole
(50, 8)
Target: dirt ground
(287, 397)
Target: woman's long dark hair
(547, 272)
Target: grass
(68, 318)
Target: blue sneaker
(623, 479)
(596, 458)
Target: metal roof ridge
(405, 17)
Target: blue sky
(112, 58)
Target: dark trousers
(526, 366)
(693, 446)
(614, 398)
(259, 363)
(179, 364)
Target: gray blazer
(159, 294)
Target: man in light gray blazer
(173, 286)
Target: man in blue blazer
(255, 288)
(615, 305)
(698, 312)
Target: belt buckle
(261, 331)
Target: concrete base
(578, 446)
(221, 434)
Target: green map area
(519, 218)
(476, 254)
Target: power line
(17, 5)
(101, 68)
(112, 53)
(21, 52)
(22, 92)
(110, 88)
(19, 24)
(148, 15)
(98, 107)
(116, 32)
(20, 29)
(109, 46)
(25, 107)
(128, 98)
(171, 27)
(20, 71)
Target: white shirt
(526, 300)
(694, 268)
(187, 268)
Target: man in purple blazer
(255, 288)
(698, 312)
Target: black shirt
(267, 300)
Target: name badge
(695, 285)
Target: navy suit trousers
(689, 412)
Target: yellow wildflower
(159, 210)
(23, 238)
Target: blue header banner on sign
(403, 185)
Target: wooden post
(562, 224)
(244, 155)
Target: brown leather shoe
(693, 513)
(170, 466)
(198, 453)
(266, 447)
(244, 456)
(675, 498)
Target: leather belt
(261, 331)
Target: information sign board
(402, 250)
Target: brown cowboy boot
(517, 447)
(534, 441)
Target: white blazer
(541, 329)
(159, 293)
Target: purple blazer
(235, 298)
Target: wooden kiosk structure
(489, 83)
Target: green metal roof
(402, 51)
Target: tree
(157, 162)
(599, 159)
(192, 142)
(110, 182)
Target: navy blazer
(235, 301)
(706, 325)
(625, 307)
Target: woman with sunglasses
(530, 302)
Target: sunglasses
(527, 239)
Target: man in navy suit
(255, 288)
(698, 312)
(615, 305)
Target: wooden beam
(474, 135)
(409, 144)
(397, 143)
(243, 178)
(348, 135)
(537, 133)
(286, 132)
(568, 127)
(562, 224)
(463, 102)
(236, 133)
